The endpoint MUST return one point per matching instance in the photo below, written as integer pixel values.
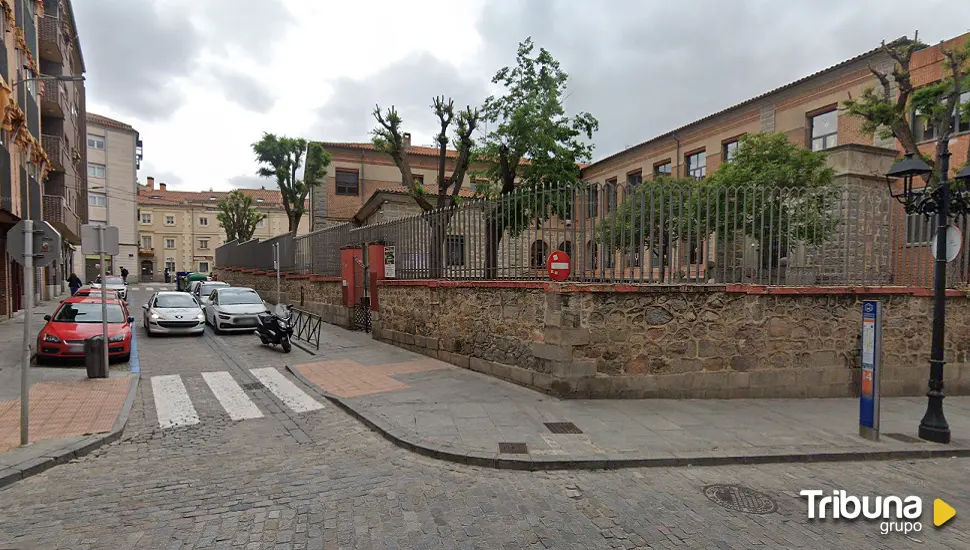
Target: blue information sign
(871, 352)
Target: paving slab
(456, 414)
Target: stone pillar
(562, 333)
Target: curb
(609, 462)
(34, 466)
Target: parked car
(234, 309)
(79, 318)
(173, 313)
(114, 282)
(204, 289)
(95, 292)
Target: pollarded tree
(533, 152)
(439, 206)
(281, 158)
(238, 216)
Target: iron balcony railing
(652, 233)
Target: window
(203, 267)
(169, 243)
(924, 130)
(419, 179)
(455, 250)
(260, 223)
(170, 263)
(610, 191)
(96, 171)
(696, 165)
(347, 182)
(539, 253)
(203, 221)
(592, 202)
(146, 241)
(169, 220)
(96, 142)
(97, 199)
(919, 230)
(146, 218)
(634, 179)
(730, 150)
(662, 170)
(825, 130)
(203, 243)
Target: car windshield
(235, 297)
(113, 281)
(207, 289)
(88, 312)
(175, 300)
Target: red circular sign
(558, 265)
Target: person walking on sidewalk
(124, 274)
(74, 283)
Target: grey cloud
(251, 182)
(246, 26)
(243, 89)
(133, 49)
(646, 68)
(408, 85)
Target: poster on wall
(389, 262)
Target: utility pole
(28, 333)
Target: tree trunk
(293, 221)
(494, 230)
(439, 220)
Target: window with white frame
(146, 218)
(146, 241)
(169, 243)
(96, 142)
(259, 223)
(203, 243)
(203, 267)
(203, 221)
(97, 199)
(169, 220)
(96, 170)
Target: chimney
(151, 183)
(161, 186)
(407, 139)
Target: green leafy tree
(888, 113)
(238, 216)
(532, 152)
(439, 206)
(281, 158)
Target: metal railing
(306, 327)
(652, 233)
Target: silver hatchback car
(173, 313)
(234, 309)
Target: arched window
(538, 255)
(566, 247)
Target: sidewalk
(69, 413)
(443, 411)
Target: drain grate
(903, 437)
(740, 498)
(563, 428)
(253, 386)
(513, 448)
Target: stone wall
(322, 296)
(711, 341)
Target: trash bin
(94, 357)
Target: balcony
(56, 152)
(62, 218)
(146, 252)
(53, 101)
(50, 46)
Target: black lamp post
(929, 201)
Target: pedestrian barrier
(306, 327)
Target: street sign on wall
(871, 359)
(558, 265)
(389, 267)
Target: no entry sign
(558, 265)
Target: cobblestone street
(303, 477)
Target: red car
(79, 318)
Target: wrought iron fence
(651, 233)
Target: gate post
(348, 275)
(375, 254)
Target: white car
(116, 283)
(204, 289)
(234, 309)
(173, 313)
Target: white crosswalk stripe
(231, 396)
(149, 288)
(174, 406)
(172, 403)
(292, 396)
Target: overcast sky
(202, 79)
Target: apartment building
(114, 154)
(38, 175)
(180, 231)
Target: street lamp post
(939, 201)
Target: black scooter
(275, 328)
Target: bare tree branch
(388, 139)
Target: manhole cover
(253, 386)
(513, 448)
(742, 499)
(903, 437)
(563, 428)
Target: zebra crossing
(174, 406)
(152, 288)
